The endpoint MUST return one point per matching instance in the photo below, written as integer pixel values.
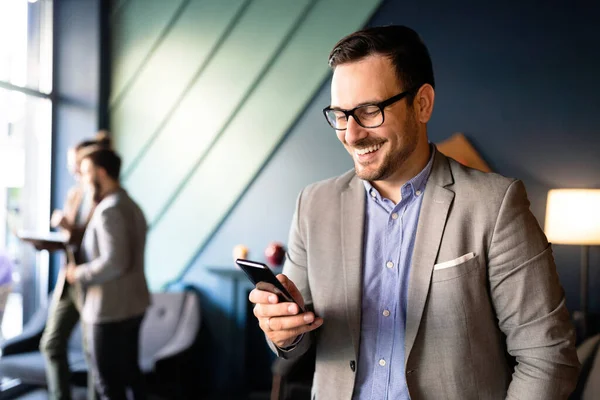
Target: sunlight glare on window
(13, 41)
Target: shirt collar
(415, 186)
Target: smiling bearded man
(423, 279)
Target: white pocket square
(455, 262)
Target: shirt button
(389, 264)
(418, 192)
(382, 362)
(386, 313)
(373, 194)
(394, 216)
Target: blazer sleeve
(530, 303)
(295, 268)
(113, 249)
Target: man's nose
(354, 132)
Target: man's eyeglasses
(367, 115)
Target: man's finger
(275, 310)
(291, 322)
(262, 297)
(292, 288)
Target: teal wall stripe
(117, 97)
(135, 30)
(117, 7)
(135, 160)
(210, 103)
(169, 73)
(236, 110)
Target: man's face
(72, 163)
(90, 176)
(378, 153)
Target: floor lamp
(573, 218)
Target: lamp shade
(573, 216)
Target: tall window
(25, 154)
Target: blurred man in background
(111, 273)
(66, 301)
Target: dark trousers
(114, 348)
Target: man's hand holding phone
(283, 322)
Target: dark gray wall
(76, 87)
(76, 82)
(519, 80)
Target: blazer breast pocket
(455, 268)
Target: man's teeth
(367, 150)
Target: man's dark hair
(101, 140)
(108, 160)
(400, 44)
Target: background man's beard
(392, 162)
(97, 194)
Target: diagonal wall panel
(231, 74)
(250, 138)
(137, 26)
(166, 77)
(116, 7)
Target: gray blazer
(113, 279)
(489, 328)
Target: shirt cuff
(293, 345)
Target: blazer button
(353, 365)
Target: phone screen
(264, 279)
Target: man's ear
(423, 103)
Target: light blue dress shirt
(389, 239)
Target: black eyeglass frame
(381, 105)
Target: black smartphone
(264, 279)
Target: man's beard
(97, 191)
(392, 161)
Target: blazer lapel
(352, 228)
(432, 220)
